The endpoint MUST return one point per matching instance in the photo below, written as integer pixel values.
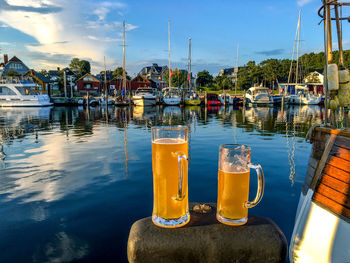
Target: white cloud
(304, 2)
(63, 32)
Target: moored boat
(213, 99)
(171, 96)
(22, 95)
(144, 97)
(258, 96)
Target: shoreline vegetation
(268, 73)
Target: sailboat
(302, 95)
(191, 98)
(171, 94)
(122, 99)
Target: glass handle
(261, 185)
(181, 158)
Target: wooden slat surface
(333, 186)
(341, 153)
(342, 199)
(337, 173)
(334, 206)
(339, 163)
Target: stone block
(204, 239)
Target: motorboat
(213, 99)
(22, 95)
(226, 99)
(303, 96)
(144, 97)
(258, 96)
(171, 96)
(192, 99)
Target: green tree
(223, 82)
(204, 78)
(178, 78)
(119, 72)
(80, 66)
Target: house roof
(87, 74)
(15, 59)
(53, 73)
(37, 75)
(140, 76)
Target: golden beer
(233, 192)
(168, 204)
(233, 184)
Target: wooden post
(224, 98)
(65, 84)
(87, 98)
(205, 99)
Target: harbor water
(73, 180)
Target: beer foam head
(234, 158)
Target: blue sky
(49, 33)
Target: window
(6, 91)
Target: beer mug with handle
(233, 184)
(170, 166)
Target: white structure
(144, 97)
(171, 96)
(314, 78)
(304, 97)
(258, 96)
(21, 95)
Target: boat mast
(169, 53)
(236, 70)
(106, 92)
(298, 43)
(124, 77)
(189, 66)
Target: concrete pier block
(204, 239)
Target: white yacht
(304, 97)
(144, 97)
(171, 96)
(258, 96)
(22, 95)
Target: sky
(46, 34)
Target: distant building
(155, 74)
(16, 64)
(314, 78)
(230, 72)
(88, 83)
(39, 79)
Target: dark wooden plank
(337, 173)
(340, 152)
(334, 195)
(332, 205)
(339, 163)
(335, 184)
(323, 161)
(343, 142)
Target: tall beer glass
(169, 163)
(233, 184)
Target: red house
(138, 82)
(88, 83)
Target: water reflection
(66, 149)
